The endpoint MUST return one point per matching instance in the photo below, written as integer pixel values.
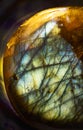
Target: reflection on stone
(43, 66)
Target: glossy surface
(43, 67)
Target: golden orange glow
(68, 15)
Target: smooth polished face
(43, 67)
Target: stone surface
(44, 67)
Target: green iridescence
(50, 81)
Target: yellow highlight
(32, 24)
(1, 77)
(68, 15)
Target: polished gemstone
(43, 67)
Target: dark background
(10, 12)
